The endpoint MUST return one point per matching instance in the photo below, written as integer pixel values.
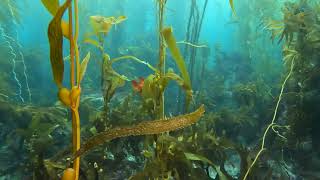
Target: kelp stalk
(273, 120)
(75, 112)
(72, 81)
(162, 53)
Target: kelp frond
(55, 36)
(144, 128)
(175, 52)
(232, 7)
(53, 6)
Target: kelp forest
(159, 89)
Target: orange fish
(137, 86)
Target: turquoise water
(212, 90)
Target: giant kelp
(70, 98)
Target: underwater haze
(159, 89)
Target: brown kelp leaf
(52, 6)
(56, 40)
(172, 45)
(83, 67)
(143, 128)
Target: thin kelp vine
(273, 121)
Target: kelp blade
(100, 24)
(144, 128)
(172, 45)
(84, 65)
(53, 6)
(55, 36)
(232, 6)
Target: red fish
(137, 86)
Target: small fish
(137, 86)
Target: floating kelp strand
(55, 36)
(193, 45)
(143, 128)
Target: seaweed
(172, 45)
(83, 67)
(56, 40)
(143, 128)
(53, 7)
(70, 98)
(232, 6)
(272, 124)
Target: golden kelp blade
(172, 45)
(52, 6)
(56, 40)
(84, 64)
(100, 24)
(144, 128)
(232, 6)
